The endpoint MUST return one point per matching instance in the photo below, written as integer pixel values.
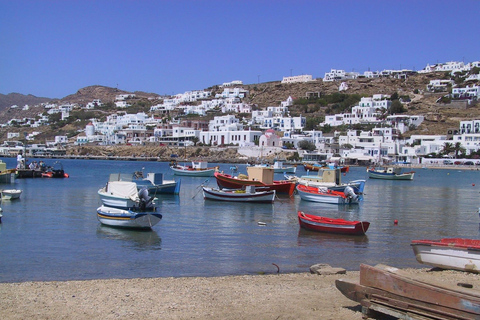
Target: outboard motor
(145, 199)
(350, 194)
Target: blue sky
(53, 48)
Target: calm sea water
(52, 232)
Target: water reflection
(138, 239)
(326, 240)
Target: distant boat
(197, 169)
(56, 171)
(249, 194)
(449, 253)
(278, 167)
(324, 195)
(11, 194)
(116, 217)
(258, 177)
(389, 173)
(329, 225)
(316, 166)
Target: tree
(306, 145)
(397, 107)
(447, 148)
(458, 149)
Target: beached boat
(258, 177)
(324, 224)
(249, 194)
(154, 182)
(389, 173)
(328, 178)
(393, 292)
(10, 194)
(125, 195)
(449, 253)
(325, 195)
(116, 217)
(197, 169)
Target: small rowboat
(250, 194)
(324, 224)
(325, 195)
(116, 217)
(197, 169)
(454, 253)
(11, 194)
(390, 173)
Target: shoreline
(273, 296)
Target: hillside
(438, 118)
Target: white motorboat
(116, 217)
(11, 194)
(125, 195)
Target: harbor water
(52, 232)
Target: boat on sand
(393, 292)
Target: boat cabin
(261, 174)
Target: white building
(294, 79)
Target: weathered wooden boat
(389, 173)
(249, 194)
(330, 225)
(125, 195)
(449, 253)
(197, 169)
(116, 217)
(258, 177)
(325, 195)
(154, 182)
(11, 194)
(390, 291)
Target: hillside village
(400, 116)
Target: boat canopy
(123, 189)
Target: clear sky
(53, 48)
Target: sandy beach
(282, 296)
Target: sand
(283, 296)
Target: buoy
(395, 222)
(473, 184)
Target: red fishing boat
(258, 177)
(324, 224)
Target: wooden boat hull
(116, 217)
(390, 291)
(180, 171)
(390, 176)
(316, 194)
(339, 226)
(11, 194)
(456, 254)
(229, 182)
(239, 195)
